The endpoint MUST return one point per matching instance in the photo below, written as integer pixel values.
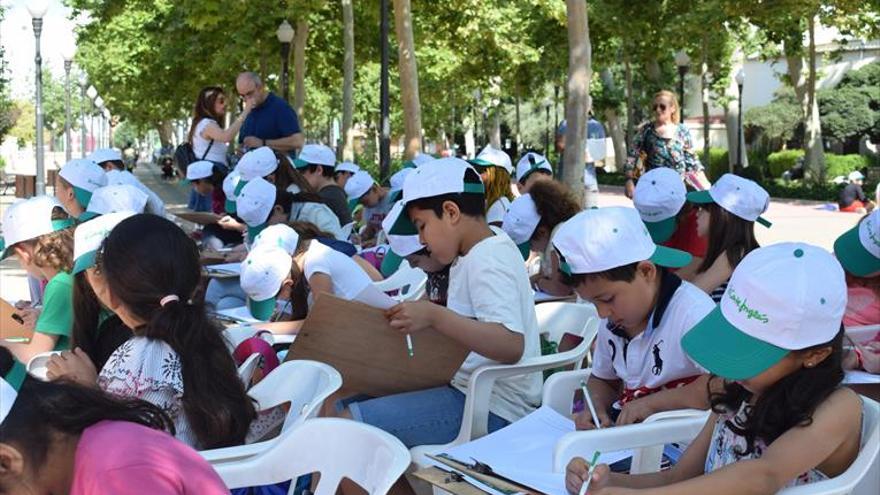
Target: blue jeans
(423, 417)
(224, 293)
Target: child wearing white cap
(155, 205)
(783, 419)
(490, 308)
(75, 183)
(377, 201)
(317, 163)
(531, 222)
(531, 168)
(343, 172)
(495, 168)
(116, 198)
(38, 232)
(726, 216)
(639, 367)
(107, 158)
(852, 197)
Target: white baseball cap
(492, 157)
(347, 167)
(257, 163)
(531, 162)
(855, 175)
(358, 185)
(520, 222)
(230, 184)
(199, 170)
(88, 236)
(402, 245)
(85, 176)
(254, 204)
(398, 178)
(315, 154)
(858, 249)
(7, 396)
(418, 160)
(262, 274)
(600, 239)
(435, 178)
(279, 235)
(739, 196)
(115, 198)
(102, 155)
(783, 297)
(30, 218)
(658, 197)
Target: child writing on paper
(39, 233)
(489, 309)
(639, 367)
(532, 220)
(782, 418)
(858, 250)
(58, 437)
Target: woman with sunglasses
(662, 142)
(208, 139)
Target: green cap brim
(478, 162)
(403, 225)
(239, 187)
(716, 345)
(525, 249)
(661, 231)
(670, 258)
(82, 196)
(700, 197)
(84, 262)
(3, 252)
(262, 310)
(297, 163)
(390, 263)
(253, 232)
(352, 204)
(88, 215)
(395, 196)
(16, 375)
(853, 256)
(230, 206)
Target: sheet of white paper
(374, 297)
(240, 313)
(523, 451)
(854, 377)
(225, 267)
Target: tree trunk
(814, 156)
(347, 149)
(618, 140)
(732, 121)
(704, 82)
(470, 145)
(518, 133)
(409, 78)
(578, 100)
(495, 131)
(299, 69)
(630, 117)
(165, 131)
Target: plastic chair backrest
(345, 231)
(304, 384)
(555, 319)
(336, 448)
(247, 369)
(407, 281)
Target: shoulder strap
(207, 150)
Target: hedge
(844, 164)
(779, 162)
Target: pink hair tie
(167, 299)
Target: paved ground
(805, 221)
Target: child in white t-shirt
(490, 308)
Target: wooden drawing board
(10, 328)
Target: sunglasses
(661, 106)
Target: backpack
(184, 155)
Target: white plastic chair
(859, 478)
(237, 335)
(247, 369)
(336, 448)
(475, 416)
(304, 384)
(345, 231)
(409, 283)
(555, 319)
(36, 367)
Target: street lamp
(682, 61)
(67, 53)
(37, 9)
(740, 79)
(83, 82)
(99, 106)
(285, 36)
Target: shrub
(844, 164)
(779, 162)
(718, 163)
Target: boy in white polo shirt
(639, 367)
(490, 309)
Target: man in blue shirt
(272, 122)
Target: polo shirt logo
(742, 306)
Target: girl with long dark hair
(207, 137)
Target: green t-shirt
(57, 315)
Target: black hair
(623, 273)
(146, 258)
(96, 337)
(542, 171)
(326, 171)
(117, 164)
(729, 235)
(470, 204)
(43, 408)
(788, 403)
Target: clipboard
(493, 480)
(371, 356)
(10, 327)
(199, 217)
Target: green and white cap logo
(858, 249)
(88, 236)
(782, 297)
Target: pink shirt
(862, 308)
(120, 458)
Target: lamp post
(682, 61)
(99, 106)
(37, 9)
(285, 36)
(92, 93)
(67, 53)
(740, 79)
(83, 83)
(384, 101)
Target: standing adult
(663, 142)
(272, 122)
(210, 141)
